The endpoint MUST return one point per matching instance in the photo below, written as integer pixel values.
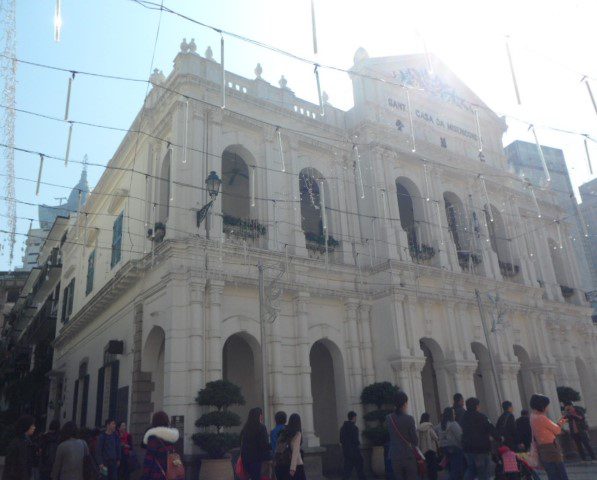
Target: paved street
(581, 471)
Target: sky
(550, 42)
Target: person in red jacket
(126, 451)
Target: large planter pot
(378, 464)
(216, 469)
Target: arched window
(457, 221)
(236, 190)
(163, 207)
(315, 212)
(500, 243)
(412, 219)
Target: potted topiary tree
(216, 443)
(381, 395)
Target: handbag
(174, 467)
(419, 457)
(532, 458)
(550, 453)
(239, 469)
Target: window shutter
(117, 240)
(115, 367)
(64, 303)
(100, 397)
(75, 400)
(71, 296)
(85, 399)
(90, 272)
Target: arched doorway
(153, 362)
(484, 382)
(327, 389)
(429, 379)
(525, 376)
(242, 366)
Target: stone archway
(241, 365)
(328, 390)
(152, 361)
(484, 382)
(525, 376)
(429, 379)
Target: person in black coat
(506, 427)
(349, 439)
(524, 434)
(48, 444)
(476, 442)
(254, 444)
(403, 437)
(19, 461)
(458, 407)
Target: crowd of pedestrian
(465, 444)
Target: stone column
(462, 373)
(408, 377)
(297, 242)
(365, 335)
(304, 369)
(353, 343)
(547, 384)
(141, 387)
(214, 335)
(276, 366)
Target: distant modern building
(524, 157)
(588, 208)
(47, 216)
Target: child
(512, 467)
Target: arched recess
(500, 243)
(559, 267)
(152, 361)
(459, 227)
(241, 357)
(411, 208)
(525, 377)
(314, 220)
(587, 384)
(328, 389)
(164, 186)
(484, 382)
(429, 378)
(236, 182)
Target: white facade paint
(369, 313)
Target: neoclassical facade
(387, 234)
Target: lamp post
(212, 185)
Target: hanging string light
(586, 80)
(324, 220)
(541, 156)
(478, 123)
(410, 121)
(68, 139)
(321, 108)
(223, 70)
(427, 189)
(58, 21)
(384, 204)
(439, 222)
(560, 244)
(252, 185)
(357, 159)
(583, 223)
(281, 148)
(427, 56)
(532, 190)
(313, 27)
(186, 131)
(275, 225)
(68, 92)
(41, 166)
(489, 211)
(512, 71)
(588, 155)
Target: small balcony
(243, 230)
(421, 253)
(567, 292)
(316, 246)
(508, 270)
(468, 259)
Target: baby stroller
(510, 466)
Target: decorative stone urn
(378, 464)
(216, 469)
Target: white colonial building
(376, 228)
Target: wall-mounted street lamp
(212, 184)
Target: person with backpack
(523, 430)
(403, 440)
(69, 463)
(18, 464)
(349, 439)
(428, 443)
(255, 448)
(281, 420)
(288, 458)
(476, 441)
(506, 426)
(48, 443)
(160, 454)
(578, 430)
(450, 441)
(107, 452)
